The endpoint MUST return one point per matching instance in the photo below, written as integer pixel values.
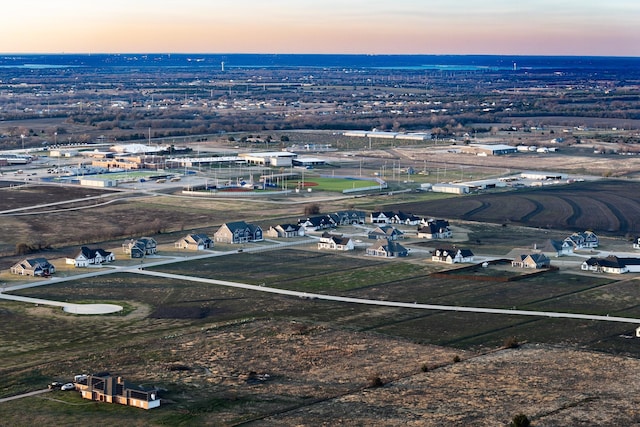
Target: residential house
(452, 256)
(381, 217)
(33, 267)
(532, 260)
(335, 242)
(584, 240)
(285, 230)
(316, 223)
(194, 242)
(612, 264)
(238, 232)
(87, 256)
(351, 217)
(405, 218)
(385, 232)
(555, 248)
(115, 390)
(139, 248)
(435, 229)
(387, 248)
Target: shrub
(456, 359)
(511, 342)
(520, 420)
(312, 209)
(375, 381)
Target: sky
(515, 27)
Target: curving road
(138, 269)
(308, 295)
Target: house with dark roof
(584, 240)
(318, 222)
(434, 229)
(385, 232)
(85, 257)
(554, 248)
(381, 217)
(351, 217)
(532, 260)
(194, 242)
(33, 267)
(387, 249)
(238, 232)
(452, 255)
(141, 247)
(335, 242)
(612, 264)
(115, 390)
(405, 218)
(285, 230)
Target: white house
(335, 242)
(612, 264)
(452, 256)
(86, 256)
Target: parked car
(68, 386)
(55, 385)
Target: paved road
(95, 308)
(153, 261)
(416, 305)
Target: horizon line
(325, 54)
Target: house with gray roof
(335, 242)
(385, 232)
(612, 264)
(531, 260)
(33, 267)
(583, 240)
(555, 248)
(141, 247)
(285, 230)
(434, 229)
(452, 255)
(387, 249)
(194, 242)
(85, 257)
(238, 232)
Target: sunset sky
(545, 27)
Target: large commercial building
(489, 149)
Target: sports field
(331, 184)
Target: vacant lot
(603, 206)
(210, 346)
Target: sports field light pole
(22, 138)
